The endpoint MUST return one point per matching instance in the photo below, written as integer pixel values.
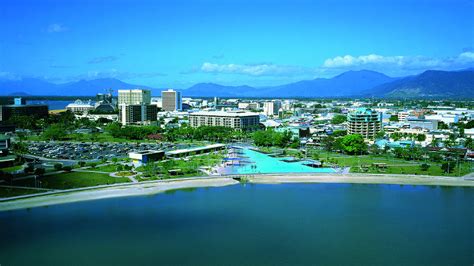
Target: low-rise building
(9, 111)
(402, 116)
(4, 145)
(422, 123)
(236, 120)
(80, 107)
(143, 157)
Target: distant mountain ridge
(363, 83)
(34, 86)
(431, 83)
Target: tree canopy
(353, 144)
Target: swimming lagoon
(259, 163)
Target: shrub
(67, 168)
(424, 167)
(448, 167)
(29, 168)
(58, 166)
(40, 171)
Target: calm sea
(291, 224)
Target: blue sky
(180, 43)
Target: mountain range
(362, 83)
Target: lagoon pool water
(264, 164)
(287, 224)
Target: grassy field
(394, 165)
(12, 192)
(12, 168)
(435, 169)
(106, 168)
(72, 180)
(187, 167)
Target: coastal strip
(145, 188)
(390, 179)
(154, 187)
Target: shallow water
(287, 224)
(264, 164)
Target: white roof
(271, 123)
(222, 113)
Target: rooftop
(363, 110)
(222, 113)
(212, 146)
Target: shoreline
(155, 187)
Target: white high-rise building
(171, 100)
(135, 107)
(134, 97)
(271, 108)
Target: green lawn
(188, 168)
(106, 168)
(12, 192)
(435, 169)
(12, 168)
(351, 161)
(73, 180)
(394, 165)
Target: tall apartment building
(271, 108)
(235, 120)
(135, 107)
(171, 100)
(365, 122)
(137, 114)
(134, 97)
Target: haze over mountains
(363, 83)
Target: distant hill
(346, 84)
(363, 83)
(431, 83)
(212, 89)
(33, 86)
(350, 83)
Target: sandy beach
(363, 179)
(147, 188)
(154, 187)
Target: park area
(70, 180)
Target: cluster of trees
(269, 138)
(353, 144)
(131, 132)
(398, 136)
(218, 134)
(32, 122)
(350, 144)
(408, 153)
(338, 119)
(55, 132)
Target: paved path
(90, 171)
(131, 177)
(32, 188)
